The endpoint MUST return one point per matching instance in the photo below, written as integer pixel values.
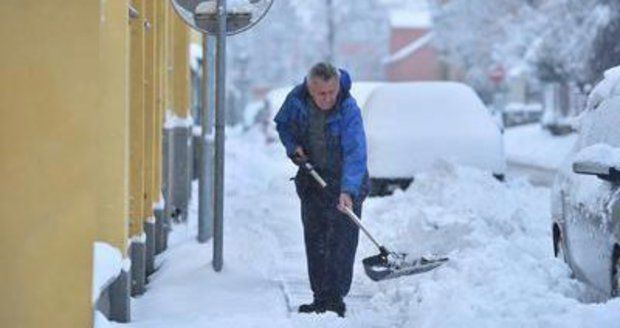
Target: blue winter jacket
(345, 137)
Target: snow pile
(107, 265)
(502, 272)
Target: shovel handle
(358, 222)
(315, 175)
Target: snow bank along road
(502, 271)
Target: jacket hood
(345, 81)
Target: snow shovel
(387, 264)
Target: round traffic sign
(202, 15)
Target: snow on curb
(100, 321)
(107, 265)
(173, 121)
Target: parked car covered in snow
(409, 126)
(586, 194)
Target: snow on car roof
(361, 91)
(425, 106)
(409, 126)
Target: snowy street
(502, 271)
(542, 156)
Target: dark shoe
(337, 306)
(316, 306)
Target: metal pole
(206, 181)
(220, 104)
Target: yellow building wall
(181, 81)
(169, 58)
(137, 121)
(50, 138)
(113, 122)
(82, 97)
(150, 105)
(160, 88)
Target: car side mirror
(601, 160)
(601, 170)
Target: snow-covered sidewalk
(502, 272)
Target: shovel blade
(379, 268)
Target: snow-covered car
(409, 126)
(585, 203)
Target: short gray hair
(324, 71)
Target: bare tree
(553, 39)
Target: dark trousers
(331, 241)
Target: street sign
(202, 15)
(497, 74)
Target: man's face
(324, 93)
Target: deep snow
(502, 272)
